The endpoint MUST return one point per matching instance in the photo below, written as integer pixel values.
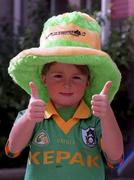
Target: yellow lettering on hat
(72, 33)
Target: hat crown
(71, 29)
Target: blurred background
(21, 24)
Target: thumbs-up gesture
(99, 103)
(36, 107)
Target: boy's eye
(77, 77)
(58, 76)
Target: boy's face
(65, 84)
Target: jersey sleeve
(8, 151)
(112, 163)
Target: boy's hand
(100, 104)
(36, 107)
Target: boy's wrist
(28, 119)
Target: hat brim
(27, 66)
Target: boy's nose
(67, 83)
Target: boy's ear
(88, 83)
(43, 78)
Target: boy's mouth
(66, 93)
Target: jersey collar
(82, 112)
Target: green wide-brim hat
(72, 38)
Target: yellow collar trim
(82, 112)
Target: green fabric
(26, 67)
(62, 42)
(102, 69)
(65, 156)
(75, 18)
(66, 113)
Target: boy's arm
(24, 126)
(112, 142)
(20, 135)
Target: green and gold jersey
(66, 149)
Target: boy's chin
(66, 104)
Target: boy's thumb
(34, 91)
(106, 88)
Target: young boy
(69, 123)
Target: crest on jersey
(88, 136)
(41, 138)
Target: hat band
(70, 33)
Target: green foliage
(12, 97)
(119, 47)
